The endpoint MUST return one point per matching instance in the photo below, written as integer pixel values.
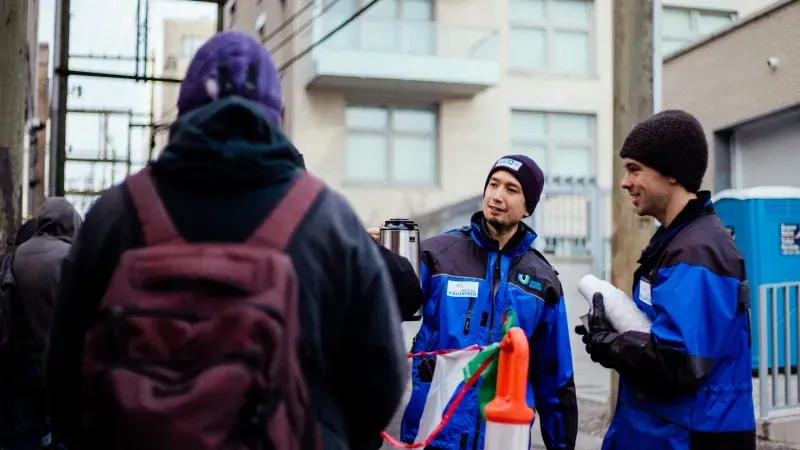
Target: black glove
(601, 335)
(426, 368)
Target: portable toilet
(765, 224)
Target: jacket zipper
(469, 315)
(495, 281)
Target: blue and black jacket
(468, 282)
(687, 384)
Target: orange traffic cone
(508, 416)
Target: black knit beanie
(673, 143)
(527, 172)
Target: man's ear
(527, 214)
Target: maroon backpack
(196, 345)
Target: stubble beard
(501, 226)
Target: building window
(562, 144)
(552, 36)
(399, 26)
(190, 45)
(391, 145)
(682, 26)
(171, 63)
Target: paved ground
(592, 381)
(591, 419)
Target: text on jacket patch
(462, 288)
(644, 292)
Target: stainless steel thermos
(402, 237)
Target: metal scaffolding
(108, 156)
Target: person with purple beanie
(225, 168)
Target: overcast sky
(109, 27)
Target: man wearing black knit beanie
(686, 384)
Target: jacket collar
(229, 143)
(518, 244)
(694, 209)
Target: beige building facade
(743, 84)
(182, 38)
(405, 108)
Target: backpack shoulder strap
(156, 223)
(278, 227)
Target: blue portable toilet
(765, 224)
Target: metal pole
(658, 58)
(58, 99)
(220, 16)
(152, 135)
(138, 33)
(118, 76)
(763, 409)
(130, 147)
(633, 97)
(146, 33)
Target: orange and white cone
(508, 416)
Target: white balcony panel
(404, 57)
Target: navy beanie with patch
(673, 143)
(527, 172)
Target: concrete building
(747, 98)
(182, 38)
(405, 108)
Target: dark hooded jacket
(37, 269)
(8, 288)
(223, 171)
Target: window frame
(694, 24)
(388, 133)
(550, 28)
(551, 142)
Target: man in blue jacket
(469, 277)
(687, 384)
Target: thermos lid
(400, 224)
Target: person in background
(36, 269)
(469, 277)
(687, 384)
(9, 296)
(224, 169)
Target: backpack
(196, 345)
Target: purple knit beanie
(232, 63)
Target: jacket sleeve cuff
(657, 367)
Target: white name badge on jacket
(644, 292)
(462, 288)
